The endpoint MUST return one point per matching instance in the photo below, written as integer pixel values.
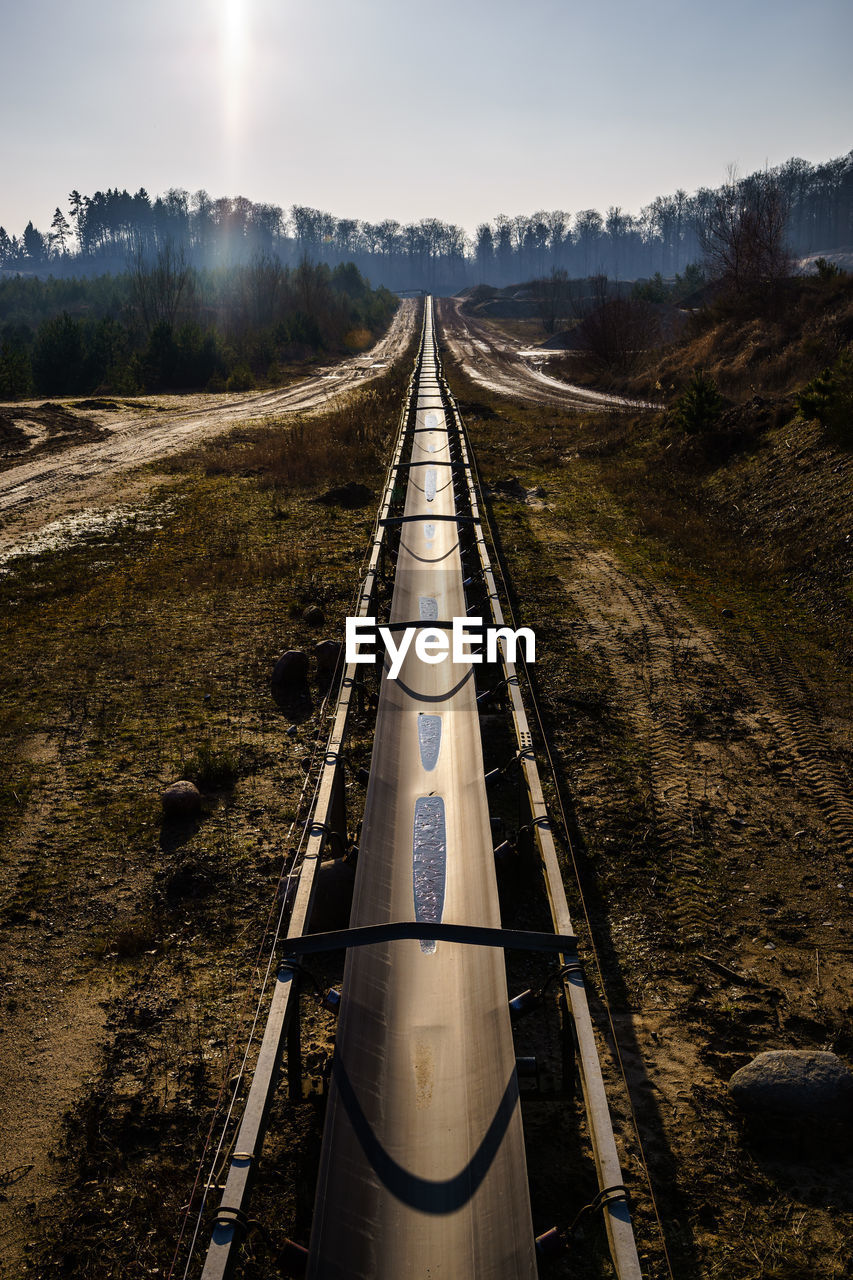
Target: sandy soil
(751, 824)
(706, 758)
(81, 471)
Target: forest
(101, 233)
(163, 324)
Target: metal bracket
(427, 519)
(432, 931)
(405, 466)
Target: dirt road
(52, 485)
(497, 363)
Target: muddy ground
(57, 459)
(501, 358)
(694, 679)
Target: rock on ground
(794, 1082)
(327, 653)
(290, 673)
(181, 800)
(349, 495)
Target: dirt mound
(771, 353)
(349, 495)
(13, 439)
(49, 428)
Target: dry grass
(772, 354)
(130, 659)
(347, 441)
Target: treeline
(99, 233)
(165, 325)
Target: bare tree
(552, 298)
(743, 234)
(263, 283)
(614, 330)
(159, 286)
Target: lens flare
(234, 27)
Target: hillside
(691, 593)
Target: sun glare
(235, 49)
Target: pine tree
(60, 228)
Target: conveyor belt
(422, 1170)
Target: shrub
(829, 398)
(240, 379)
(211, 768)
(827, 270)
(700, 405)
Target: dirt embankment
(693, 615)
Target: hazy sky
(459, 109)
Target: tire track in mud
(668, 667)
(791, 712)
(644, 662)
(495, 363)
(799, 731)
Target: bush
(829, 398)
(240, 379)
(211, 768)
(827, 270)
(699, 407)
(616, 333)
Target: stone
(801, 1083)
(290, 673)
(327, 653)
(314, 615)
(512, 488)
(181, 800)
